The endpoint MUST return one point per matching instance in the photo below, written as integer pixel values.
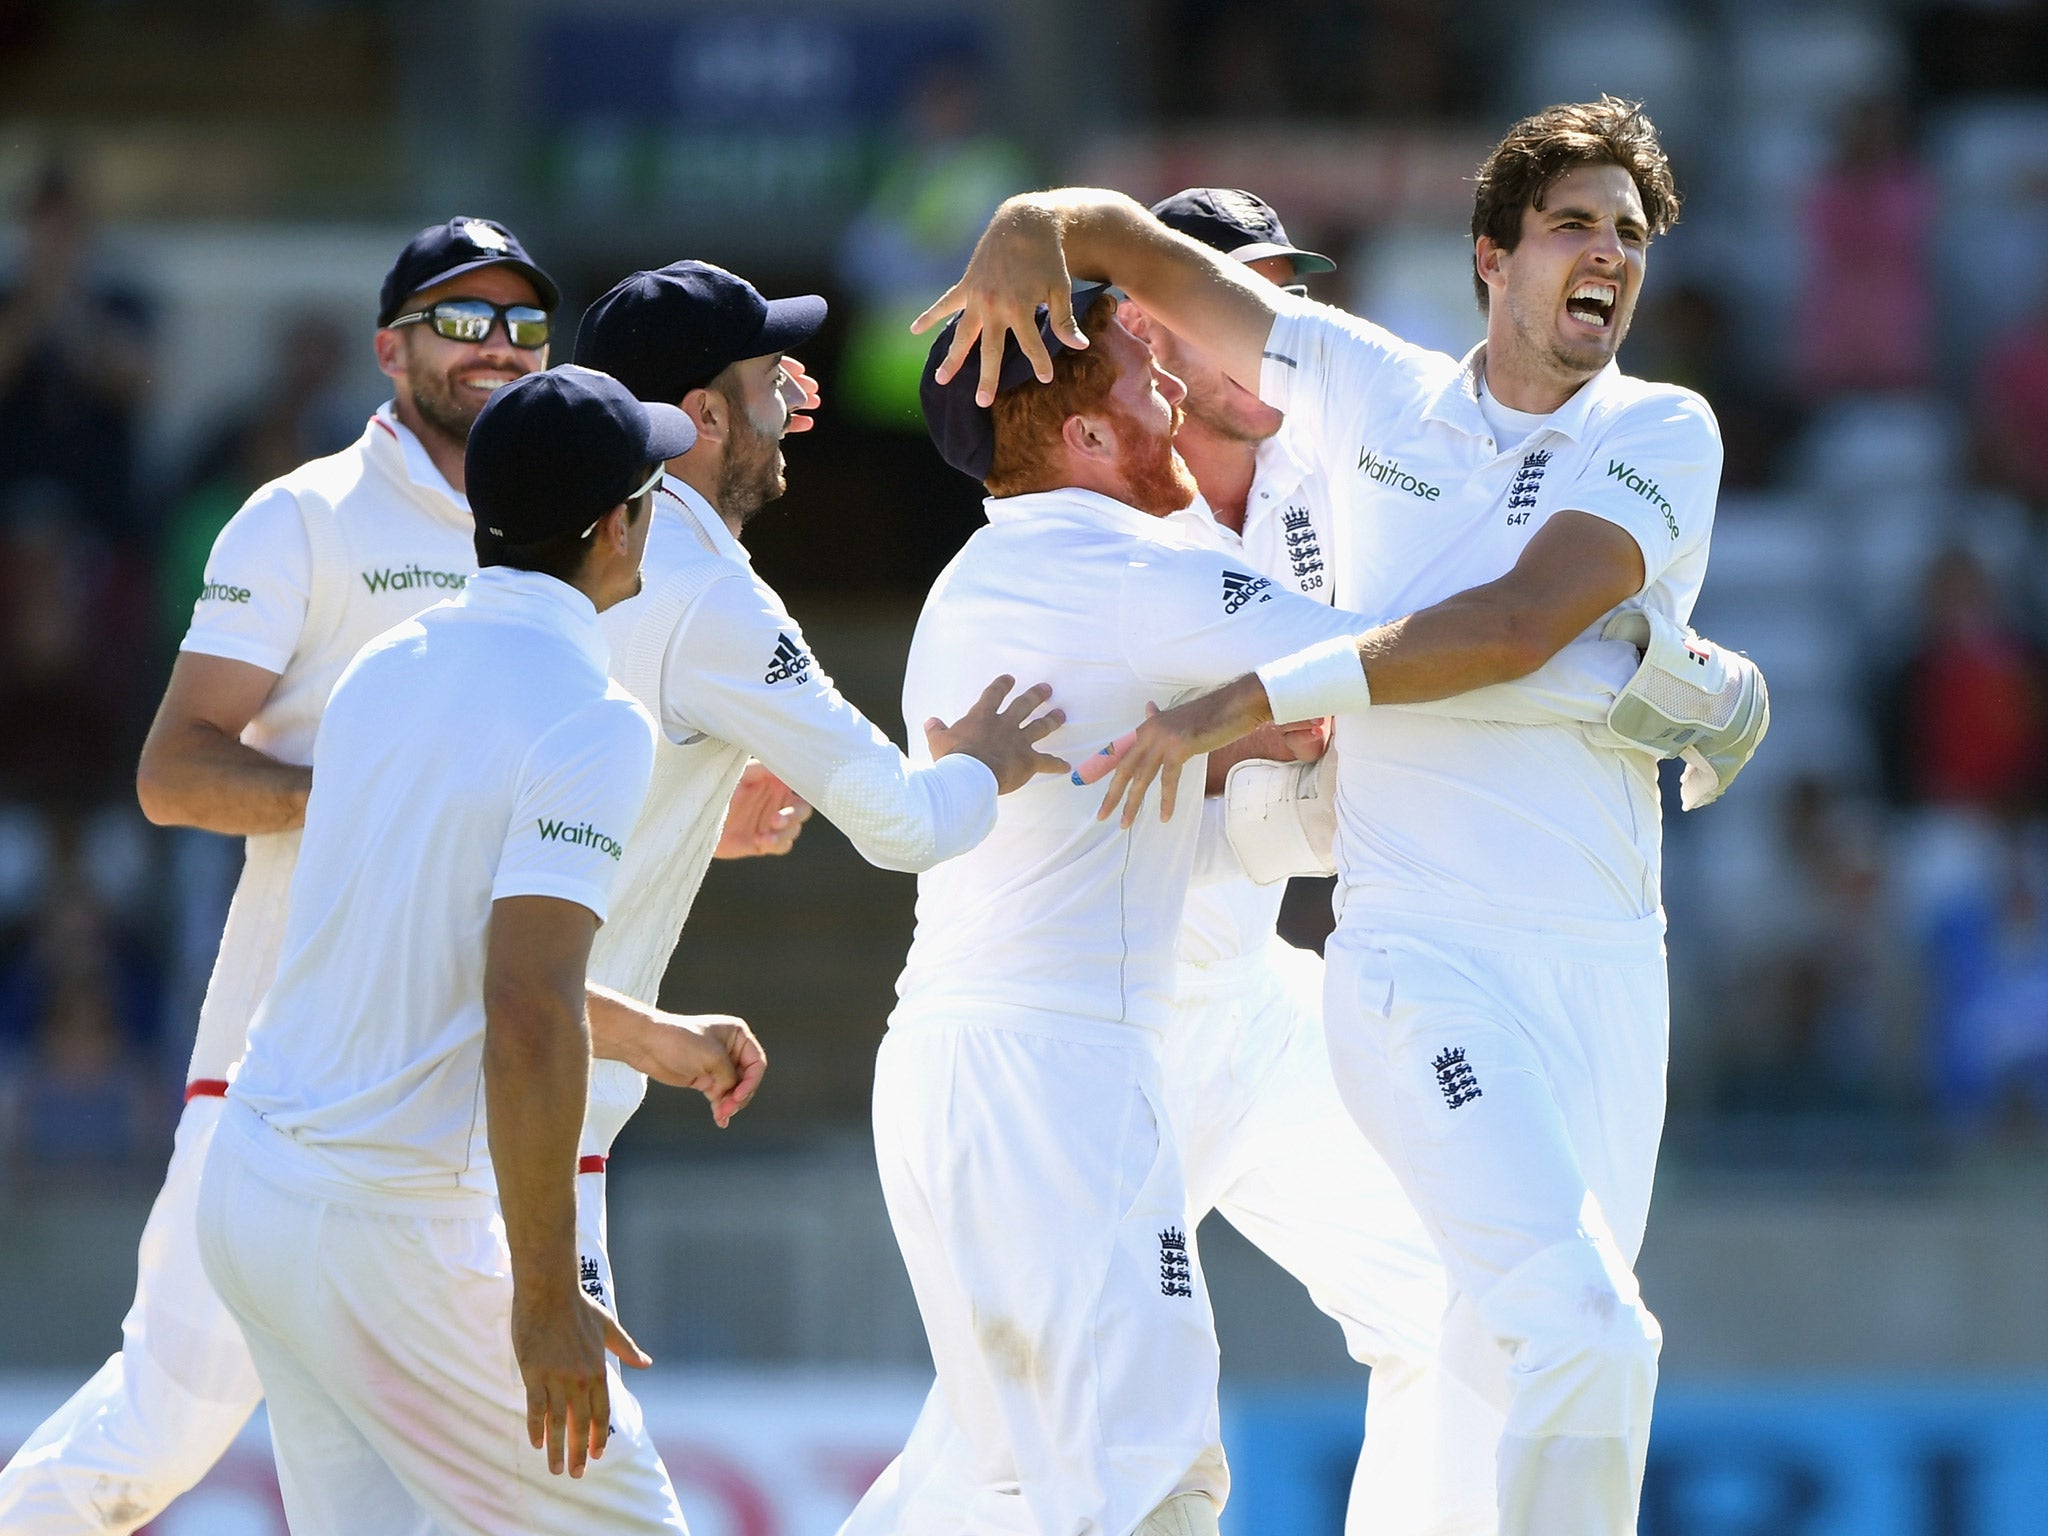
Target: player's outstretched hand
(1006, 739)
(714, 1053)
(1163, 744)
(802, 395)
(1017, 265)
(764, 819)
(560, 1344)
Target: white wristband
(1326, 679)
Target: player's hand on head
(764, 819)
(1017, 265)
(1005, 737)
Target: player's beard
(445, 407)
(1157, 479)
(751, 475)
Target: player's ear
(389, 346)
(1491, 258)
(707, 408)
(1089, 436)
(1135, 320)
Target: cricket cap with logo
(463, 244)
(554, 451)
(1241, 226)
(963, 430)
(669, 331)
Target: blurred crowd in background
(1859, 933)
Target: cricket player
(388, 1207)
(712, 653)
(1495, 1003)
(1027, 1153)
(314, 565)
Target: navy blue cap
(554, 451)
(963, 431)
(442, 251)
(1237, 224)
(666, 333)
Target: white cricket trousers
(155, 1418)
(1037, 1196)
(1268, 1143)
(1265, 1140)
(385, 1348)
(1516, 1088)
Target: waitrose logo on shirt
(411, 578)
(1388, 472)
(1646, 488)
(585, 836)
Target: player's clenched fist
(1005, 739)
(560, 1340)
(763, 819)
(714, 1053)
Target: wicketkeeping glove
(1690, 698)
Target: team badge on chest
(1528, 480)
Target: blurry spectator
(300, 413)
(2012, 412)
(1964, 722)
(1825, 1023)
(69, 658)
(1989, 958)
(1683, 336)
(914, 237)
(1866, 301)
(73, 360)
(78, 1020)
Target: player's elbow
(1520, 640)
(156, 789)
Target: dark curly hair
(1539, 149)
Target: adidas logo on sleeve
(1240, 588)
(791, 663)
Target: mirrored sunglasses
(472, 320)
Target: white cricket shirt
(1287, 537)
(473, 753)
(710, 650)
(1059, 920)
(1516, 827)
(314, 564)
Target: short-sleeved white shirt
(1056, 913)
(1525, 827)
(315, 564)
(1287, 537)
(473, 753)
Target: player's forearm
(536, 1086)
(621, 1027)
(193, 775)
(1191, 289)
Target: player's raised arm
(1038, 243)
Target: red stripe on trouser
(591, 1164)
(205, 1088)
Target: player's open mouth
(487, 382)
(1592, 303)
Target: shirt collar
(1072, 504)
(700, 511)
(1456, 403)
(541, 600)
(419, 469)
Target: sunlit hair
(1544, 146)
(1030, 417)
